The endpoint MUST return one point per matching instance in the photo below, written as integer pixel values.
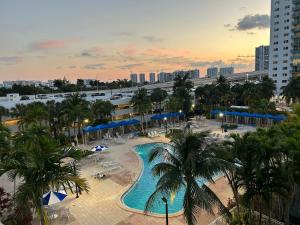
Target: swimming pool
(138, 195)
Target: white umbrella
(52, 197)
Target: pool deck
(101, 206)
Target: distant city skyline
(108, 40)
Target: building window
(284, 68)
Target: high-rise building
(161, 77)
(281, 39)
(194, 74)
(133, 78)
(142, 78)
(296, 39)
(262, 58)
(152, 78)
(226, 71)
(212, 72)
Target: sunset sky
(41, 40)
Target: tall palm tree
(141, 104)
(181, 90)
(77, 110)
(38, 161)
(189, 159)
(158, 95)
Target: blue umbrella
(52, 197)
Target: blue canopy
(166, 115)
(111, 125)
(251, 115)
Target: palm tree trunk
(235, 195)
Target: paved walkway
(101, 205)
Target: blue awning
(166, 115)
(111, 125)
(250, 115)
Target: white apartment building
(212, 72)
(280, 67)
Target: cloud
(130, 66)
(94, 66)
(10, 60)
(48, 44)
(227, 25)
(91, 53)
(153, 39)
(251, 33)
(243, 8)
(253, 22)
(72, 67)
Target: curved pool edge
(129, 187)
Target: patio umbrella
(52, 197)
(99, 148)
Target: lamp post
(76, 187)
(166, 124)
(222, 116)
(166, 203)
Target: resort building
(281, 42)
(262, 58)
(212, 72)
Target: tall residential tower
(280, 69)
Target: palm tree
(4, 141)
(3, 112)
(181, 90)
(158, 95)
(19, 112)
(38, 161)
(102, 109)
(76, 110)
(291, 92)
(189, 159)
(141, 104)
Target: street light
(222, 116)
(166, 124)
(166, 203)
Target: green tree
(38, 161)
(181, 90)
(141, 104)
(291, 92)
(3, 112)
(190, 158)
(159, 95)
(76, 111)
(102, 109)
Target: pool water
(138, 195)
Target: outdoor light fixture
(165, 200)
(222, 126)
